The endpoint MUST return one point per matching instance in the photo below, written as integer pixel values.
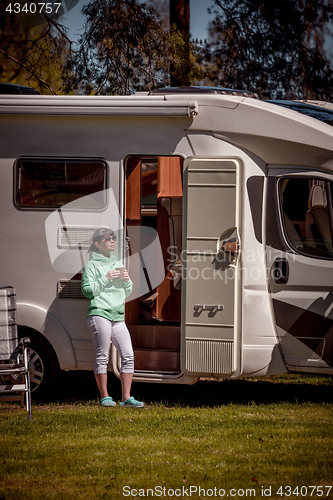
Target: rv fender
(47, 325)
(268, 357)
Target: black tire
(43, 365)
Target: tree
(121, 49)
(275, 47)
(33, 49)
(125, 47)
(180, 22)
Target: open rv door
(211, 276)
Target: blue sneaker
(108, 401)
(132, 403)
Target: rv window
(50, 184)
(149, 182)
(307, 214)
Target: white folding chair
(14, 369)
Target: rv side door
(211, 267)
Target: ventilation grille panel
(70, 290)
(211, 357)
(75, 237)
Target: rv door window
(307, 215)
(52, 183)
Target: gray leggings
(105, 331)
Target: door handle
(230, 246)
(280, 271)
(228, 241)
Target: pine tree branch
(40, 80)
(57, 25)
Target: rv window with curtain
(51, 183)
(307, 215)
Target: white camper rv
(230, 196)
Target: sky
(199, 19)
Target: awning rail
(97, 106)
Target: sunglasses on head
(109, 238)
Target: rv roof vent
(11, 88)
(202, 90)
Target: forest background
(280, 49)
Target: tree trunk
(180, 17)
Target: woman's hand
(113, 274)
(125, 275)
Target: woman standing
(106, 282)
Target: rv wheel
(43, 365)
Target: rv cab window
(308, 215)
(42, 183)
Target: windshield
(317, 112)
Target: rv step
(156, 360)
(158, 337)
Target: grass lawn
(264, 438)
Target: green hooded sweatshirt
(107, 297)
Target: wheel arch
(50, 330)
(27, 331)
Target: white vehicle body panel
(258, 137)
